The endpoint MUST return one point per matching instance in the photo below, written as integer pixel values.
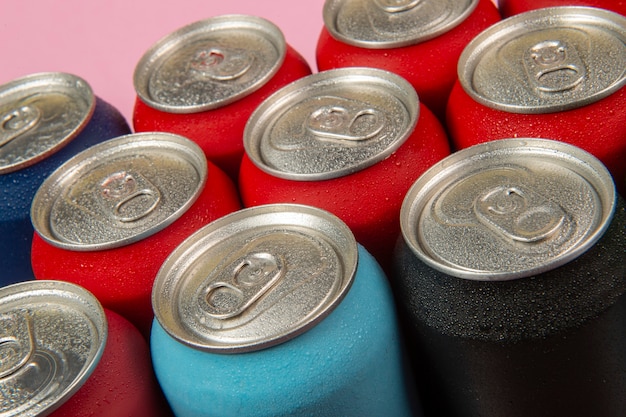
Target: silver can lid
(255, 278)
(380, 24)
(119, 191)
(52, 335)
(508, 209)
(546, 60)
(209, 64)
(331, 124)
(39, 114)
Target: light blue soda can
(277, 311)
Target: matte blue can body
(349, 364)
(18, 188)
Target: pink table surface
(102, 41)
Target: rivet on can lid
(508, 209)
(331, 124)
(378, 24)
(119, 191)
(210, 63)
(52, 335)
(546, 60)
(39, 114)
(255, 278)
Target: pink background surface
(102, 41)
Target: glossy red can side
(369, 200)
(121, 278)
(123, 383)
(599, 128)
(509, 8)
(219, 131)
(430, 66)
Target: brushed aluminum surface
(255, 278)
(209, 64)
(508, 209)
(119, 191)
(39, 114)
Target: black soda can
(45, 119)
(511, 277)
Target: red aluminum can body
(509, 8)
(597, 124)
(64, 355)
(215, 123)
(121, 275)
(429, 64)
(123, 382)
(368, 200)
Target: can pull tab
(16, 343)
(554, 66)
(345, 124)
(128, 197)
(242, 283)
(17, 122)
(221, 64)
(397, 6)
(519, 214)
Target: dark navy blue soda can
(45, 119)
(276, 311)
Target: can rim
(330, 11)
(154, 55)
(584, 162)
(171, 276)
(265, 113)
(474, 50)
(82, 300)
(55, 182)
(46, 82)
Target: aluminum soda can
(45, 119)
(512, 280)
(555, 73)
(351, 141)
(509, 8)
(63, 355)
(204, 80)
(418, 40)
(277, 311)
(107, 218)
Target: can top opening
(119, 191)
(508, 209)
(331, 124)
(52, 335)
(546, 60)
(39, 114)
(255, 278)
(209, 64)
(380, 24)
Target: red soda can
(555, 73)
(350, 141)
(509, 8)
(204, 80)
(418, 40)
(108, 218)
(45, 119)
(63, 355)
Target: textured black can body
(552, 343)
(549, 345)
